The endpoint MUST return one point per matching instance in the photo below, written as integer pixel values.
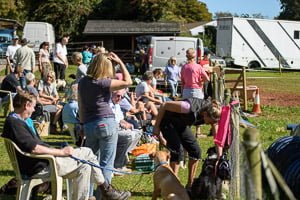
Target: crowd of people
(100, 109)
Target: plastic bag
(144, 149)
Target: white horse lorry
(259, 43)
(162, 48)
(39, 32)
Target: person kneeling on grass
(19, 128)
(174, 120)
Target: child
(86, 55)
(81, 70)
(157, 74)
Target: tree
(290, 10)
(258, 15)
(223, 14)
(190, 11)
(153, 10)
(115, 9)
(12, 9)
(67, 16)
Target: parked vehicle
(6, 36)
(259, 43)
(162, 48)
(38, 32)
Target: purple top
(172, 72)
(94, 98)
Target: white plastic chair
(25, 185)
(7, 105)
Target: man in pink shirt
(193, 76)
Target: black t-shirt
(18, 131)
(10, 83)
(181, 120)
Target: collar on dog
(159, 164)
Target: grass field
(271, 125)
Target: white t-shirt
(154, 82)
(11, 50)
(141, 89)
(119, 115)
(62, 50)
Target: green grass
(271, 125)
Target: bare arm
(40, 61)
(120, 84)
(9, 65)
(32, 61)
(40, 149)
(151, 98)
(182, 80)
(19, 89)
(173, 106)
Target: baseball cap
(15, 37)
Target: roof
(129, 27)
(186, 27)
(9, 23)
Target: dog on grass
(207, 185)
(166, 184)
(60, 84)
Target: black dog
(207, 185)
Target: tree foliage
(153, 10)
(12, 9)
(290, 10)
(70, 16)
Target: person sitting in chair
(128, 137)
(47, 91)
(17, 129)
(12, 83)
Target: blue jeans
(23, 79)
(102, 138)
(173, 88)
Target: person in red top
(205, 61)
(192, 77)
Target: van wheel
(254, 65)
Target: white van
(38, 32)
(162, 48)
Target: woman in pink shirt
(193, 76)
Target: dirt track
(279, 99)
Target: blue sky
(268, 8)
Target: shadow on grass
(7, 173)
(141, 194)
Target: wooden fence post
(235, 153)
(245, 89)
(215, 87)
(253, 149)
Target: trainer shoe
(111, 193)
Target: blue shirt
(172, 73)
(70, 111)
(86, 57)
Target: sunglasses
(120, 96)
